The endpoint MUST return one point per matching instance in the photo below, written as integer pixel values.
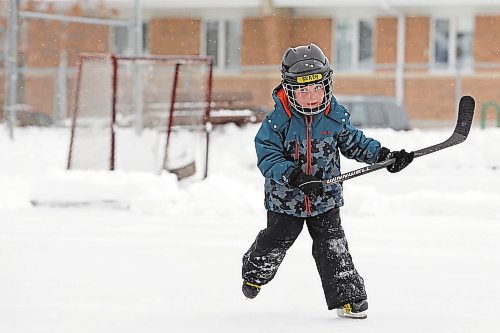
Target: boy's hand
(311, 186)
(402, 159)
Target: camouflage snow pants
(341, 282)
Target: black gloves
(402, 159)
(311, 186)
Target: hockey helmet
(303, 66)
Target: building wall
(315, 30)
(47, 40)
(417, 40)
(364, 84)
(174, 36)
(39, 92)
(43, 39)
(386, 38)
(41, 50)
(254, 51)
(486, 40)
(3, 27)
(430, 98)
(264, 39)
(80, 38)
(319, 31)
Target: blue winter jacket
(288, 139)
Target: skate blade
(343, 314)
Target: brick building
(446, 49)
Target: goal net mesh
(165, 99)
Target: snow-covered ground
(426, 240)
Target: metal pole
(206, 118)
(400, 89)
(73, 19)
(137, 95)
(171, 114)
(138, 28)
(75, 110)
(458, 81)
(11, 68)
(61, 109)
(114, 97)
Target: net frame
(177, 61)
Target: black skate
(250, 290)
(353, 310)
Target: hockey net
(164, 98)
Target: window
(233, 50)
(122, 39)
(353, 44)
(365, 56)
(145, 39)
(3, 36)
(119, 39)
(223, 42)
(343, 45)
(212, 40)
(465, 33)
(364, 114)
(452, 43)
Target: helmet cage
(290, 87)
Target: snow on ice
(168, 258)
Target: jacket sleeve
(355, 145)
(271, 161)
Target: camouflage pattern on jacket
(288, 139)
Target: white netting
(91, 136)
(147, 85)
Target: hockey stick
(462, 128)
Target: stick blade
(184, 171)
(465, 115)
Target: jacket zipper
(307, 201)
(297, 149)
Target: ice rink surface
(168, 258)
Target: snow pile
(32, 169)
(117, 189)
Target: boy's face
(310, 96)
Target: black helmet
(303, 66)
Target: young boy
(297, 146)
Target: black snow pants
(341, 282)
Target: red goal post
(169, 95)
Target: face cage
(290, 88)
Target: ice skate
(250, 290)
(353, 310)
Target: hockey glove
(402, 159)
(311, 186)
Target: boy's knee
(284, 231)
(283, 227)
